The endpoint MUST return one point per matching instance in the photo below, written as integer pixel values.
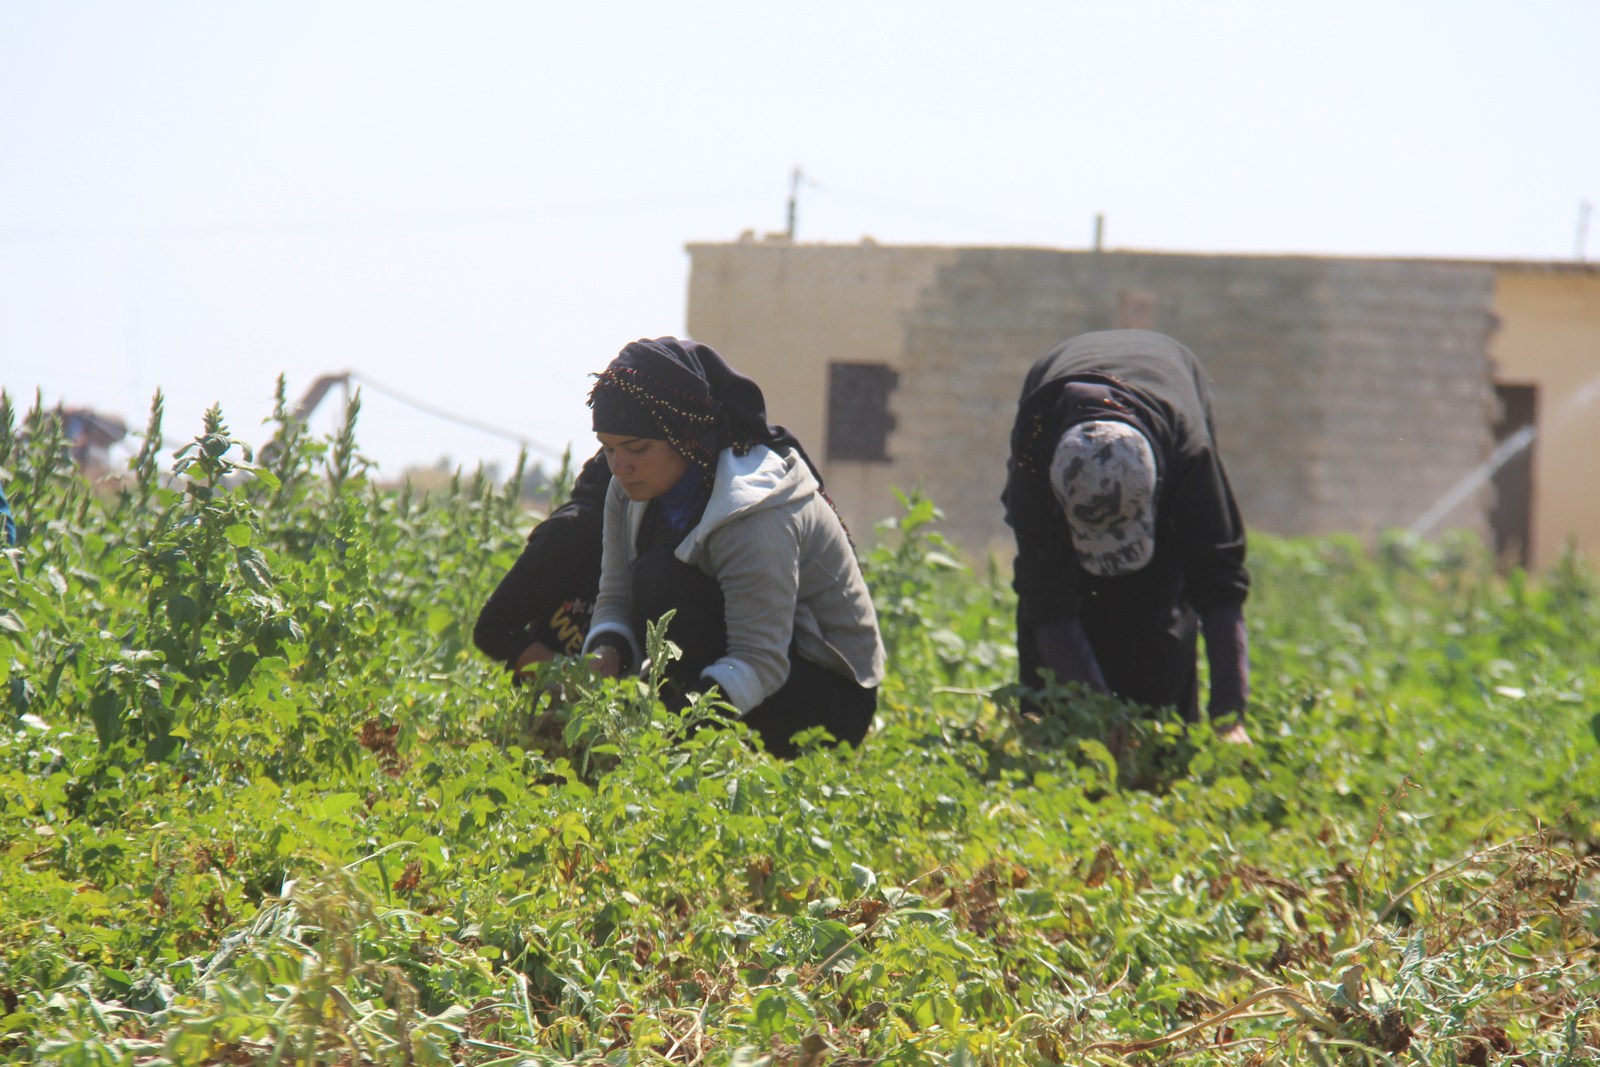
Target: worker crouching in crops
(720, 518)
(541, 608)
(1129, 542)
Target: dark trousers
(1144, 662)
(811, 696)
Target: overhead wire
(451, 416)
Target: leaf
(1416, 950)
(240, 664)
(435, 851)
(772, 1009)
(334, 807)
(920, 514)
(9, 620)
(863, 877)
(181, 608)
(253, 565)
(1350, 983)
(238, 534)
(105, 711)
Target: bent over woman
(721, 518)
(1129, 541)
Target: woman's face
(646, 466)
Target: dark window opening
(859, 422)
(1512, 517)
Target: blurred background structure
(1352, 395)
(466, 209)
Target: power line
(451, 416)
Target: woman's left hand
(536, 653)
(1234, 733)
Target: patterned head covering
(686, 394)
(1104, 476)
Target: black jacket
(548, 593)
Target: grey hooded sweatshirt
(786, 568)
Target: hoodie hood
(760, 479)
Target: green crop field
(261, 802)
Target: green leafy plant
(261, 802)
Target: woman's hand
(538, 652)
(1233, 732)
(605, 661)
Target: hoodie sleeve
(610, 619)
(756, 561)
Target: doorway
(1517, 408)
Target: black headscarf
(685, 393)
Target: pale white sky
(476, 204)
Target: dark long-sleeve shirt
(548, 594)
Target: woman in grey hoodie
(721, 518)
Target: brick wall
(1350, 394)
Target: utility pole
(1584, 208)
(318, 390)
(795, 178)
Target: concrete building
(1351, 394)
(1546, 357)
